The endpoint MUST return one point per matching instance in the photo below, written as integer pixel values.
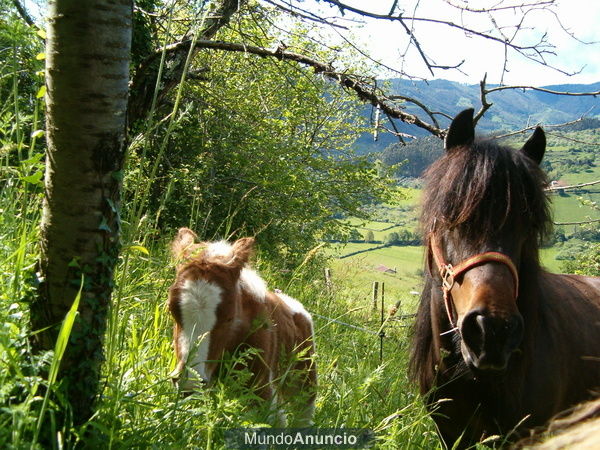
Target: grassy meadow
(138, 406)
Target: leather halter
(449, 273)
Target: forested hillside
(571, 149)
(512, 109)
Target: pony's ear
(461, 131)
(242, 250)
(535, 146)
(182, 242)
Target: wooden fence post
(328, 284)
(381, 331)
(374, 294)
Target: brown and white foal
(221, 306)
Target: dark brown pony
(500, 345)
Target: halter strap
(449, 272)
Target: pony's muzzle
(488, 341)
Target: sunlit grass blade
(59, 350)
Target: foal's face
(203, 303)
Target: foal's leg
(306, 414)
(300, 392)
(277, 415)
(265, 387)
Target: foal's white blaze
(199, 301)
(253, 284)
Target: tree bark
(87, 74)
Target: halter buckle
(447, 273)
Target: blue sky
(386, 41)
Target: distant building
(385, 269)
(557, 186)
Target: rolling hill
(512, 109)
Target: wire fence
(385, 319)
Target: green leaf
(41, 33)
(104, 225)
(37, 134)
(59, 351)
(74, 262)
(36, 178)
(138, 248)
(33, 160)
(112, 205)
(41, 92)
(40, 56)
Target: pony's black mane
(483, 188)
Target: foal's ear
(242, 250)
(461, 131)
(535, 145)
(182, 242)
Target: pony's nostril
(473, 332)
(481, 324)
(490, 340)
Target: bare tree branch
(585, 222)
(533, 127)
(23, 13)
(421, 105)
(573, 186)
(364, 91)
(569, 32)
(400, 17)
(539, 89)
(417, 45)
(465, 7)
(304, 14)
(507, 35)
(485, 105)
(579, 141)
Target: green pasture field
(569, 208)
(586, 176)
(549, 261)
(359, 272)
(410, 196)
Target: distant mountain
(512, 109)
